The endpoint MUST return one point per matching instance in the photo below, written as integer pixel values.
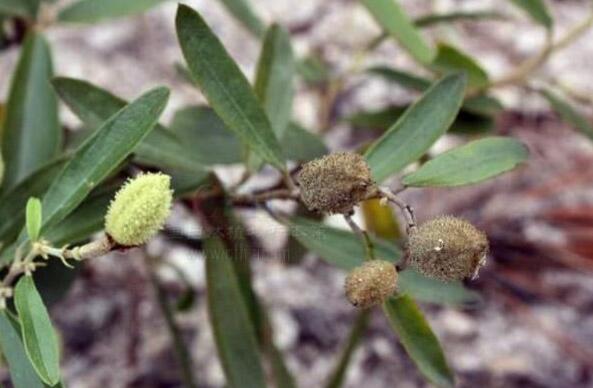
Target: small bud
(139, 209)
(371, 283)
(447, 248)
(336, 183)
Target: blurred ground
(535, 327)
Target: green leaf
(101, 154)
(93, 105)
(21, 371)
(537, 10)
(313, 70)
(344, 249)
(418, 128)
(393, 19)
(243, 12)
(461, 16)
(32, 135)
(417, 337)
(382, 119)
(274, 79)
(471, 163)
(201, 130)
(480, 104)
(15, 8)
(39, 336)
(569, 113)
(451, 60)
(33, 218)
(301, 145)
(225, 86)
(12, 204)
(92, 11)
(234, 333)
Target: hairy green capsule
(139, 209)
(447, 248)
(371, 283)
(336, 183)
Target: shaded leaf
(450, 60)
(418, 128)
(569, 113)
(537, 10)
(21, 371)
(32, 135)
(93, 105)
(33, 218)
(417, 337)
(344, 249)
(234, 333)
(92, 11)
(225, 86)
(101, 154)
(243, 12)
(301, 145)
(201, 130)
(393, 19)
(39, 336)
(470, 163)
(313, 70)
(12, 204)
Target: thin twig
(368, 243)
(406, 209)
(253, 199)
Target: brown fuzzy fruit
(371, 283)
(447, 248)
(336, 183)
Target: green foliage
(418, 128)
(91, 11)
(537, 10)
(33, 218)
(39, 336)
(568, 113)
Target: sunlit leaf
(225, 86)
(33, 218)
(92, 11)
(39, 336)
(393, 19)
(418, 128)
(470, 163)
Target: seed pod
(336, 183)
(447, 248)
(371, 283)
(139, 209)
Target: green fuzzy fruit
(371, 283)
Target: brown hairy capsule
(371, 283)
(336, 183)
(447, 248)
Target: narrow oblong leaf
(461, 16)
(92, 11)
(225, 86)
(234, 333)
(39, 336)
(93, 105)
(32, 135)
(450, 59)
(537, 10)
(274, 78)
(344, 249)
(243, 12)
(101, 153)
(418, 339)
(33, 218)
(393, 19)
(418, 128)
(569, 113)
(21, 371)
(470, 163)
